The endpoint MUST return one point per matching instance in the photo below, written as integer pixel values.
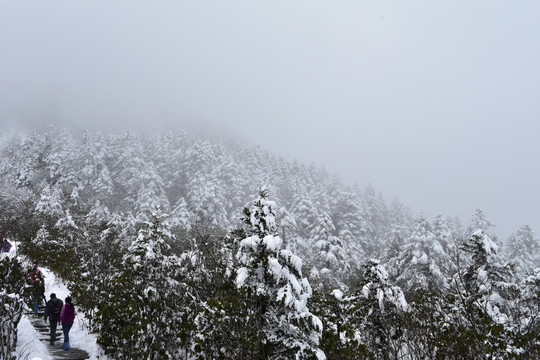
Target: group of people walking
(56, 311)
(59, 313)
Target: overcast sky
(436, 103)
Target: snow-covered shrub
(12, 299)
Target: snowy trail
(29, 346)
(55, 351)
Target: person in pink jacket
(67, 317)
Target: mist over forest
(432, 103)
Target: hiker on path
(52, 311)
(37, 282)
(6, 245)
(67, 316)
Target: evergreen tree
(347, 218)
(303, 209)
(422, 260)
(527, 320)
(100, 253)
(150, 195)
(205, 196)
(329, 258)
(480, 290)
(340, 340)
(230, 174)
(287, 228)
(49, 208)
(143, 315)
(401, 226)
(374, 212)
(523, 249)
(28, 160)
(180, 215)
(447, 239)
(62, 160)
(128, 164)
(377, 312)
(276, 293)
(17, 205)
(93, 169)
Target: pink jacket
(32, 274)
(67, 315)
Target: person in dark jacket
(6, 245)
(67, 316)
(37, 282)
(52, 311)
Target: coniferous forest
(182, 247)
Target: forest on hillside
(181, 247)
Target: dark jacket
(53, 308)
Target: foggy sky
(433, 102)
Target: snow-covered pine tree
(481, 290)
(143, 315)
(374, 212)
(276, 293)
(100, 254)
(205, 195)
(62, 162)
(127, 166)
(447, 238)
(17, 206)
(479, 221)
(377, 312)
(287, 228)
(60, 249)
(95, 180)
(420, 263)
(231, 176)
(180, 215)
(523, 250)
(401, 225)
(328, 256)
(527, 321)
(28, 159)
(340, 340)
(151, 194)
(346, 209)
(49, 208)
(303, 209)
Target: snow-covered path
(55, 351)
(29, 346)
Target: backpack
(57, 308)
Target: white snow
(338, 294)
(296, 261)
(489, 245)
(273, 242)
(241, 276)
(28, 344)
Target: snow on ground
(29, 347)
(28, 344)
